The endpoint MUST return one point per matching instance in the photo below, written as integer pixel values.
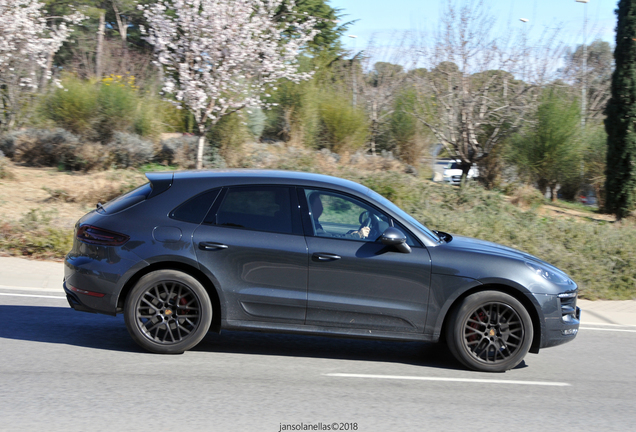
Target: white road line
(32, 295)
(607, 329)
(462, 380)
(608, 325)
(23, 288)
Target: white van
(453, 173)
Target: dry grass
(526, 197)
(64, 196)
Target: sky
(381, 19)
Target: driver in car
(315, 204)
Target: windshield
(402, 214)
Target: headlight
(554, 277)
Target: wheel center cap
(492, 332)
(168, 312)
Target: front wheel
(490, 332)
(168, 312)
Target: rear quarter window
(195, 209)
(126, 200)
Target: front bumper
(563, 325)
(454, 180)
(559, 332)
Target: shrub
(117, 106)
(127, 150)
(595, 161)
(344, 128)
(229, 134)
(294, 116)
(7, 143)
(491, 168)
(57, 148)
(153, 116)
(34, 236)
(549, 150)
(182, 151)
(5, 171)
(526, 196)
(405, 132)
(256, 120)
(73, 107)
(95, 111)
(41, 147)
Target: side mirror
(396, 238)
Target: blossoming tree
(26, 42)
(220, 56)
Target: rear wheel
(168, 312)
(490, 331)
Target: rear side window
(195, 209)
(259, 208)
(126, 200)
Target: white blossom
(220, 56)
(26, 42)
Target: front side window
(259, 208)
(340, 216)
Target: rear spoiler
(160, 182)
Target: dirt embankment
(61, 196)
(559, 212)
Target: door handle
(212, 246)
(321, 256)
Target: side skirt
(324, 331)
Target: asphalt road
(62, 370)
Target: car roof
(241, 176)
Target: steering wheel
(371, 220)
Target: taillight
(100, 236)
(88, 293)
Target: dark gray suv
(306, 253)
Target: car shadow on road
(63, 325)
(291, 345)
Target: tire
(489, 331)
(168, 312)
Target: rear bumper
(77, 302)
(94, 285)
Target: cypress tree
(620, 124)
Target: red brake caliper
(183, 302)
(481, 316)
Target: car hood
(485, 247)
